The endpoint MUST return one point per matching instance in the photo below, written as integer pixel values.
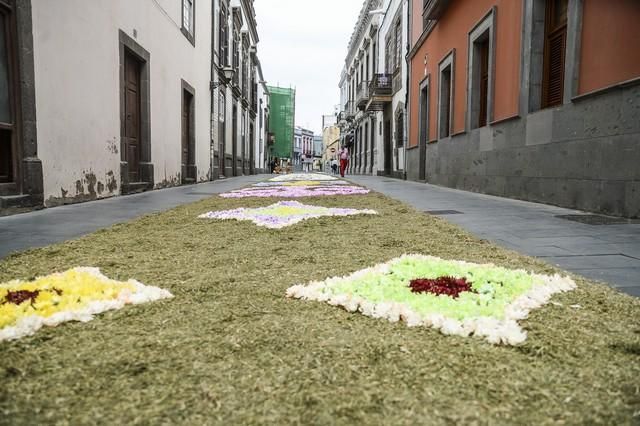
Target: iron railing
(381, 85)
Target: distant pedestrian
(334, 166)
(344, 160)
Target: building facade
(110, 98)
(297, 148)
(331, 140)
(262, 158)
(527, 99)
(235, 89)
(317, 152)
(303, 153)
(373, 89)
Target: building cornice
(250, 16)
(364, 19)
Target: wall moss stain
(79, 188)
(112, 183)
(91, 180)
(112, 146)
(95, 189)
(169, 182)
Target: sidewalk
(50, 226)
(608, 253)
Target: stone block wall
(583, 155)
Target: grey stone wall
(583, 155)
(413, 163)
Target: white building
(373, 89)
(236, 98)
(262, 159)
(104, 98)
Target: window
(368, 68)
(480, 77)
(393, 53)
(398, 44)
(223, 35)
(555, 44)
(400, 129)
(388, 57)
(483, 48)
(188, 19)
(374, 64)
(445, 96)
(236, 56)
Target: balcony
(433, 9)
(380, 92)
(349, 111)
(362, 94)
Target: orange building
(530, 99)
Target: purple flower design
(282, 214)
(295, 191)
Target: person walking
(344, 160)
(334, 166)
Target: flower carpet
(75, 295)
(301, 183)
(302, 176)
(295, 191)
(231, 348)
(282, 214)
(484, 300)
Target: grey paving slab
(624, 277)
(611, 251)
(608, 261)
(632, 291)
(50, 226)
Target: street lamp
(228, 73)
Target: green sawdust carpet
(230, 348)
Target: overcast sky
(303, 44)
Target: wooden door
(187, 120)
(6, 156)
(424, 132)
(8, 139)
(222, 133)
(373, 143)
(234, 140)
(132, 115)
(387, 147)
(252, 153)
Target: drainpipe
(407, 87)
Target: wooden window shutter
(554, 53)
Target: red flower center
(20, 296)
(448, 286)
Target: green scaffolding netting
(282, 104)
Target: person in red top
(344, 160)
